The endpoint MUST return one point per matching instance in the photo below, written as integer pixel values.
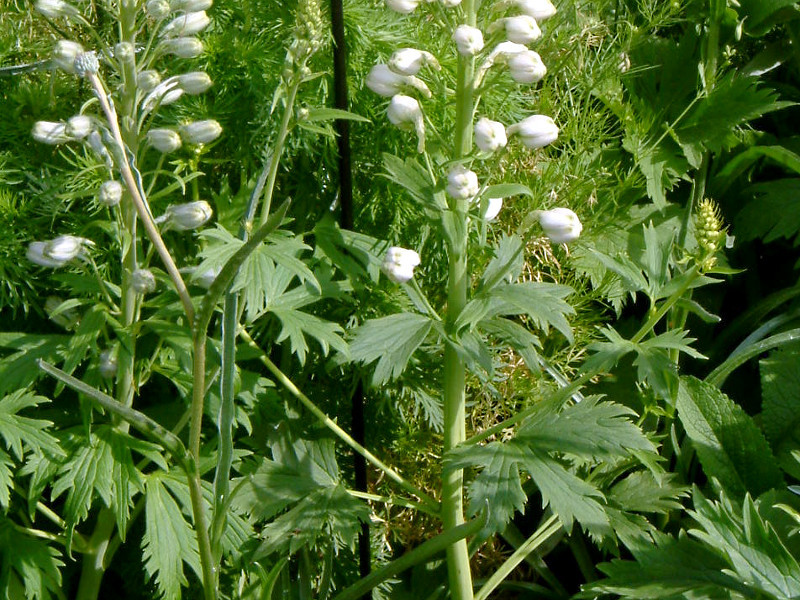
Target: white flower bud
(36, 254)
(53, 9)
(403, 7)
(124, 52)
(490, 135)
(78, 127)
(201, 132)
(182, 47)
(143, 281)
(624, 62)
(157, 9)
(406, 114)
(190, 5)
(64, 54)
(462, 183)
(195, 82)
(187, 24)
(86, 63)
(148, 80)
(164, 140)
(450, 3)
(538, 9)
(561, 225)
(408, 61)
(493, 207)
(110, 193)
(51, 133)
(184, 217)
(163, 94)
(399, 264)
(64, 248)
(521, 29)
(526, 67)
(95, 142)
(469, 40)
(385, 82)
(108, 364)
(537, 131)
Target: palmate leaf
(506, 264)
(729, 445)
(29, 561)
(19, 432)
(297, 324)
(641, 491)
(391, 341)
(19, 369)
(6, 479)
(168, 539)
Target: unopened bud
(201, 132)
(560, 225)
(187, 24)
(538, 9)
(65, 248)
(148, 80)
(157, 9)
(403, 7)
(143, 281)
(182, 47)
(195, 82)
(490, 135)
(164, 140)
(86, 63)
(408, 61)
(54, 9)
(124, 52)
(521, 29)
(110, 193)
(48, 132)
(537, 131)
(493, 207)
(206, 278)
(399, 263)
(469, 40)
(526, 67)
(184, 217)
(190, 5)
(406, 114)
(79, 126)
(64, 54)
(108, 363)
(462, 183)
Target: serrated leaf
(522, 341)
(774, 213)
(412, 176)
(640, 491)
(729, 445)
(391, 341)
(505, 190)
(85, 337)
(6, 479)
(297, 325)
(20, 432)
(271, 488)
(168, 540)
(31, 560)
(19, 369)
(780, 388)
(506, 264)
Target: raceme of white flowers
(399, 263)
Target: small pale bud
(408, 61)
(108, 364)
(521, 29)
(64, 248)
(110, 193)
(95, 142)
(399, 264)
(182, 47)
(195, 82)
(406, 114)
(526, 67)
(157, 9)
(79, 126)
(86, 63)
(493, 207)
(561, 225)
(164, 140)
(490, 135)
(403, 7)
(469, 40)
(201, 132)
(143, 281)
(64, 54)
(191, 215)
(187, 24)
(124, 52)
(36, 254)
(537, 131)
(51, 133)
(538, 9)
(163, 94)
(462, 183)
(190, 5)
(148, 80)
(54, 9)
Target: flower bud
(143, 281)
(201, 132)
(521, 29)
(493, 207)
(184, 217)
(538, 9)
(403, 7)
(51, 133)
(408, 61)
(110, 193)
(64, 54)
(36, 254)
(182, 47)
(163, 94)
(148, 80)
(124, 52)
(190, 5)
(95, 142)
(54, 9)
(399, 264)
(490, 135)
(561, 225)
(406, 114)
(462, 183)
(164, 140)
(195, 82)
(526, 67)
(537, 131)
(187, 24)
(385, 82)
(78, 127)
(64, 248)
(108, 364)
(86, 63)
(450, 3)
(469, 40)
(157, 9)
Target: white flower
(148, 80)
(164, 140)
(53, 9)
(450, 3)
(163, 94)
(408, 61)
(538, 9)
(499, 55)
(403, 7)
(190, 5)
(537, 131)
(399, 264)
(462, 183)
(469, 40)
(201, 132)
(405, 113)
(108, 363)
(95, 142)
(110, 193)
(385, 82)
(195, 82)
(78, 127)
(58, 251)
(561, 225)
(64, 54)
(157, 9)
(184, 217)
(36, 254)
(187, 24)
(521, 29)
(526, 67)
(143, 281)
(48, 132)
(490, 135)
(493, 207)
(182, 47)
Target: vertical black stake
(346, 222)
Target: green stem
(718, 376)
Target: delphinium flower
(536, 131)
(59, 251)
(405, 113)
(184, 217)
(560, 225)
(110, 193)
(462, 183)
(490, 135)
(399, 264)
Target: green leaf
(506, 264)
(168, 539)
(761, 14)
(505, 190)
(6, 479)
(19, 432)
(296, 325)
(85, 337)
(774, 213)
(735, 167)
(412, 176)
(330, 114)
(391, 341)
(271, 488)
(729, 445)
(522, 341)
(19, 370)
(641, 491)
(30, 560)
(780, 388)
